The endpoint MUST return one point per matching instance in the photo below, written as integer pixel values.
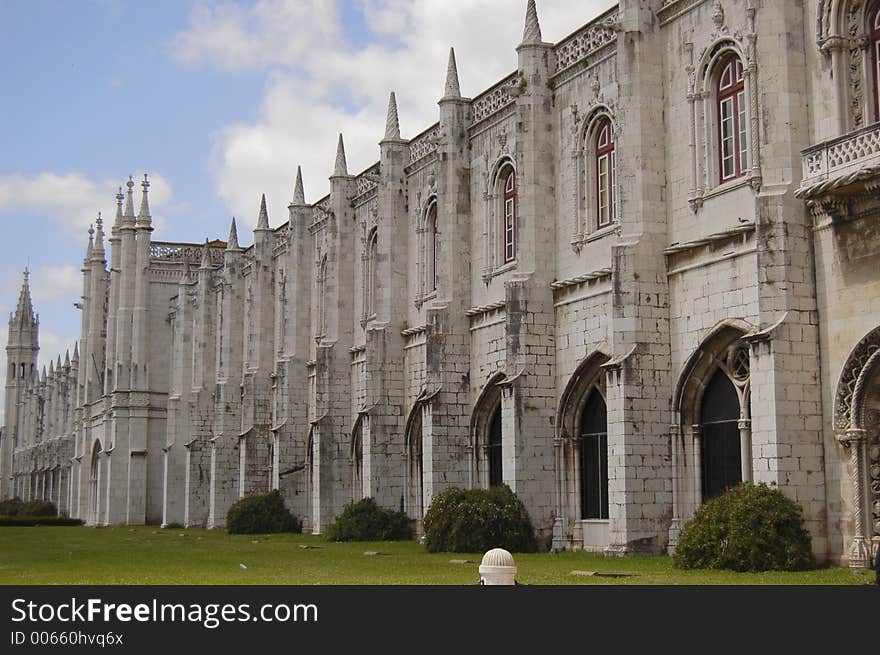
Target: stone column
(745, 448)
(859, 553)
(698, 465)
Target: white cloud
(73, 201)
(318, 84)
(56, 283)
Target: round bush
(364, 520)
(749, 528)
(261, 515)
(10, 506)
(477, 520)
(38, 508)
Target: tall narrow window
(594, 458)
(605, 171)
(371, 274)
(720, 436)
(875, 59)
(431, 255)
(732, 151)
(496, 475)
(508, 181)
(321, 293)
(357, 462)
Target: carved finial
(718, 14)
(143, 217)
(341, 168)
(232, 243)
(392, 123)
(99, 235)
(263, 220)
(299, 195)
(91, 245)
(129, 201)
(119, 198)
(453, 90)
(532, 31)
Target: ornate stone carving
(843, 419)
(585, 41)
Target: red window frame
(731, 108)
(605, 164)
(875, 59)
(508, 208)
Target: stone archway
(95, 483)
(414, 498)
(857, 426)
(487, 411)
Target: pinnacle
(24, 312)
(263, 220)
(341, 168)
(206, 256)
(453, 90)
(532, 31)
(392, 123)
(119, 198)
(75, 351)
(129, 201)
(98, 249)
(91, 245)
(143, 217)
(67, 358)
(232, 243)
(299, 195)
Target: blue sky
(219, 102)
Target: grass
(150, 555)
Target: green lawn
(150, 555)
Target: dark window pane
(495, 473)
(594, 458)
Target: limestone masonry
(640, 269)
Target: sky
(219, 102)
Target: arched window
(496, 474)
(414, 495)
(321, 299)
(23, 370)
(875, 58)
(720, 436)
(507, 181)
(593, 460)
(432, 268)
(12, 371)
(605, 174)
(732, 148)
(357, 463)
(371, 274)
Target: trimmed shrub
(261, 514)
(31, 521)
(38, 508)
(749, 528)
(10, 506)
(364, 520)
(477, 520)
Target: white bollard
(498, 568)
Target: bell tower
(22, 348)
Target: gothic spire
(51, 373)
(532, 31)
(143, 217)
(452, 90)
(232, 243)
(91, 246)
(24, 311)
(128, 214)
(341, 168)
(299, 195)
(75, 359)
(263, 220)
(392, 123)
(67, 358)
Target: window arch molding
(586, 155)
(705, 119)
(428, 237)
(321, 299)
(370, 275)
(493, 232)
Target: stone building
(641, 268)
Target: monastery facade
(638, 270)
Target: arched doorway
(357, 461)
(719, 430)
(593, 457)
(95, 483)
(414, 489)
(487, 436)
